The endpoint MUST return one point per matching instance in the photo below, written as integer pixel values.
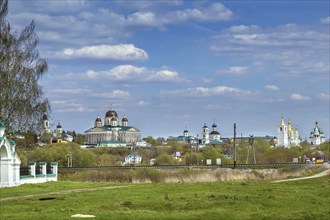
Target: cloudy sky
(171, 65)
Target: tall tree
(22, 101)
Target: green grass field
(305, 199)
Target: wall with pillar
(10, 165)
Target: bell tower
(282, 134)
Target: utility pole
(234, 145)
(251, 141)
(254, 152)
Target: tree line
(164, 154)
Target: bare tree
(22, 101)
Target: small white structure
(9, 161)
(317, 136)
(132, 159)
(177, 155)
(10, 165)
(142, 144)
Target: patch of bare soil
(63, 192)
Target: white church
(286, 135)
(317, 136)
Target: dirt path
(62, 192)
(324, 173)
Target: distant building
(111, 130)
(142, 144)
(132, 159)
(57, 136)
(317, 136)
(45, 123)
(286, 135)
(177, 155)
(186, 138)
(213, 137)
(207, 137)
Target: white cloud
(136, 74)
(246, 37)
(324, 96)
(113, 52)
(143, 18)
(325, 20)
(204, 92)
(272, 88)
(69, 106)
(207, 80)
(142, 103)
(243, 28)
(125, 72)
(115, 94)
(235, 70)
(290, 50)
(71, 91)
(164, 75)
(214, 12)
(218, 106)
(298, 97)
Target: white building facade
(214, 134)
(9, 160)
(132, 159)
(317, 136)
(212, 137)
(205, 135)
(112, 130)
(286, 135)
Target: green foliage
(22, 102)
(78, 138)
(165, 159)
(107, 156)
(194, 158)
(325, 149)
(151, 140)
(46, 138)
(60, 152)
(212, 153)
(28, 142)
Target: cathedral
(210, 138)
(111, 131)
(317, 136)
(286, 135)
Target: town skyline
(171, 65)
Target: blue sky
(171, 65)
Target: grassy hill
(305, 199)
